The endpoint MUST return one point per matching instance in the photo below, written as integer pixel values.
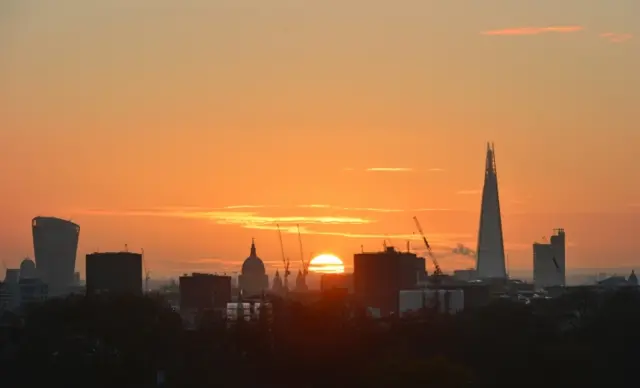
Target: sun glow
(326, 263)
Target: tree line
(582, 338)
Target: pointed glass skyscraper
(490, 253)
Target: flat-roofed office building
(114, 273)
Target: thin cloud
(431, 209)
(389, 169)
(245, 219)
(247, 206)
(357, 209)
(393, 169)
(287, 224)
(373, 209)
(468, 192)
(316, 206)
(293, 229)
(533, 30)
(615, 37)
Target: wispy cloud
(614, 37)
(245, 219)
(316, 206)
(389, 169)
(287, 224)
(533, 30)
(431, 209)
(468, 192)
(247, 206)
(393, 169)
(356, 209)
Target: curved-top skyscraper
(55, 244)
(490, 253)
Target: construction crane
(147, 273)
(305, 264)
(438, 272)
(285, 261)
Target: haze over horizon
(188, 128)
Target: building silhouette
(10, 289)
(490, 253)
(330, 281)
(201, 292)
(55, 245)
(114, 272)
(277, 287)
(378, 278)
(549, 262)
(28, 269)
(32, 291)
(301, 282)
(253, 280)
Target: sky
(189, 127)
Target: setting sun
(326, 263)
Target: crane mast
(147, 273)
(285, 261)
(301, 282)
(305, 264)
(438, 270)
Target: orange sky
(142, 120)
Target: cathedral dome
(28, 269)
(253, 265)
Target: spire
(490, 162)
(277, 283)
(253, 248)
(491, 261)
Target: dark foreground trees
(123, 342)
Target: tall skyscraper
(490, 253)
(55, 244)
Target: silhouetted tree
(109, 340)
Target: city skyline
(348, 120)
